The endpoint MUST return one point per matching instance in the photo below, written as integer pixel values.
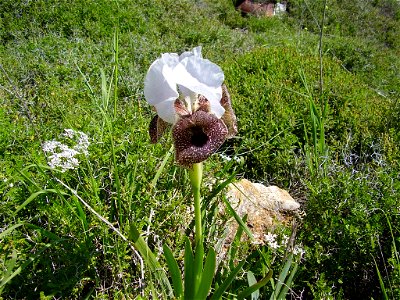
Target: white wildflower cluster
(228, 158)
(63, 154)
(272, 241)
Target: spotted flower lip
(197, 136)
(185, 76)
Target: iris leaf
(174, 270)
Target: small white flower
(186, 77)
(50, 146)
(225, 157)
(70, 133)
(298, 250)
(273, 245)
(270, 239)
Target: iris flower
(187, 91)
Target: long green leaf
(51, 236)
(238, 219)
(149, 258)
(9, 230)
(288, 283)
(7, 274)
(381, 283)
(198, 266)
(34, 195)
(81, 214)
(218, 189)
(235, 244)
(174, 270)
(208, 275)
(189, 274)
(251, 279)
(282, 275)
(162, 166)
(10, 275)
(224, 286)
(256, 286)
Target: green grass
(81, 65)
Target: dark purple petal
(197, 136)
(228, 117)
(157, 128)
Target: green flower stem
(196, 174)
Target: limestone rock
(264, 206)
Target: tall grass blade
(9, 230)
(288, 283)
(255, 287)
(149, 258)
(218, 189)
(381, 283)
(115, 71)
(236, 243)
(162, 166)
(8, 272)
(238, 219)
(81, 214)
(251, 280)
(282, 277)
(38, 193)
(228, 281)
(118, 214)
(11, 264)
(105, 95)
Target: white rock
(264, 206)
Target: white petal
(166, 111)
(195, 52)
(215, 105)
(202, 77)
(159, 84)
(204, 71)
(170, 59)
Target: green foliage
(273, 87)
(370, 19)
(346, 226)
(80, 64)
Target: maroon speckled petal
(204, 104)
(229, 116)
(197, 136)
(180, 108)
(157, 128)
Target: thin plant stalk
(196, 174)
(116, 72)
